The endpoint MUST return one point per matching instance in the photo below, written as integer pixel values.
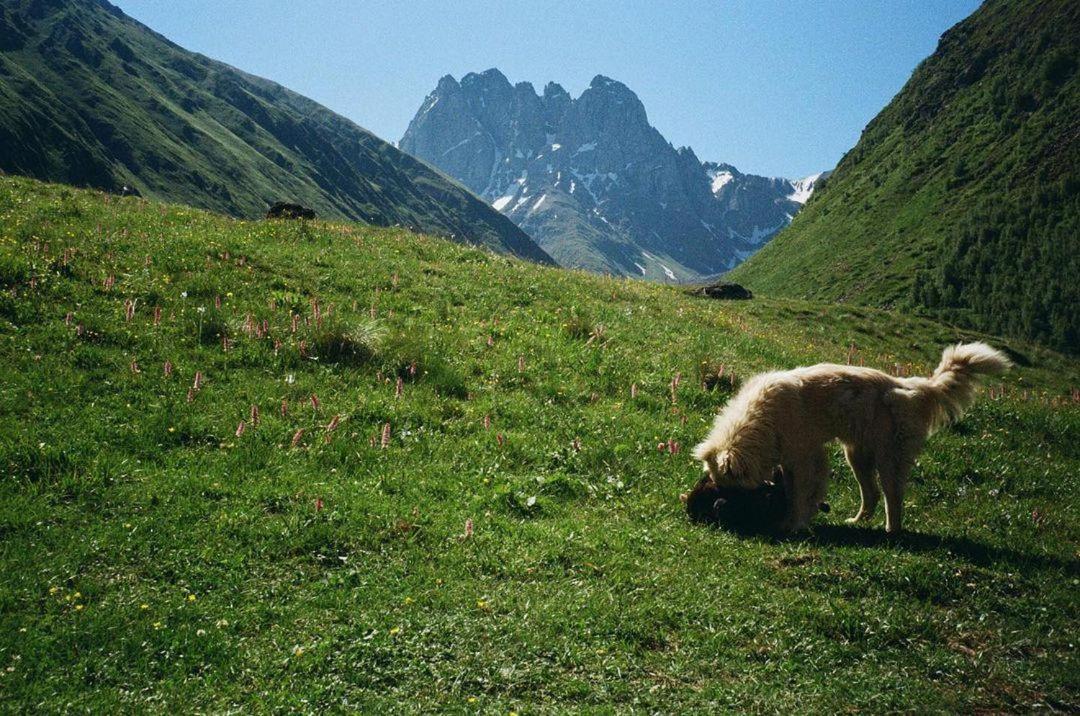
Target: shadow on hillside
(976, 552)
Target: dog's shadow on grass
(974, 551)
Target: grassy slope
(154, 560)
(962, 196)
(90, 97)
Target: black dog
(760, 510)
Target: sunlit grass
(456, 487)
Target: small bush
(339, 341)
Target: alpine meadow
(408, 456)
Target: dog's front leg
(806, 483)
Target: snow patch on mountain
(804, 188)
(720, 179)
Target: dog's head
(704, 501)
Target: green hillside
(92, 98)
(962, 198)
(278, 522)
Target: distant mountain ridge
(89, 96)
(962, 197)
(593, 182)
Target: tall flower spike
(297, 436)
(385, 443)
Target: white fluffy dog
(785, 419)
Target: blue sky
(775, 88)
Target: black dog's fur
(741, 510)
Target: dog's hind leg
(894, 475)
(861, 462)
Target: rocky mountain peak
(594, 183)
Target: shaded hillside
(593, 182)
(962, 198)
(90, 97)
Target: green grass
(153, 560)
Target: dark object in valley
(284, 210)
(738, 509)
(725, 291)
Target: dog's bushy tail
(952, 385)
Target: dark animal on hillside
(284, 210)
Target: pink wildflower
(385, 443)
(468, 528)
(240, 428)
(297, 437)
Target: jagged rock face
(593, 183)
